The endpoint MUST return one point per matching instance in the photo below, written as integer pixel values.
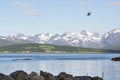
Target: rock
(34, 76)
(82, 78)
(22, 59)
(19, 75)
(64, 76)
(47, 76)
(116, 59)
(97, 78)
(5, 77)
(1, 75)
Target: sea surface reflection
(75, 64)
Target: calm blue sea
(75, 64)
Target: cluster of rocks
(21, 75)
(116, 58)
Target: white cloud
(31, 12)
(23, 4)
(26, 8)
(28, 5)
(113, 4)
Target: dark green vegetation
(48, 48)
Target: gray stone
(19, 75)
(97, 78)
(5, 77)
(47, 76)
(64, 76)
(83, 78)
(34, 76)
(116, 58)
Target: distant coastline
(37, 48)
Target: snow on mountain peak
(117, 30)
(84, 32)
(18, 36)
(67, 34)
(112, 37)
(1, 37)
(113, 33)
(83, 39)
(41, 38)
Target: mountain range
(85, 39)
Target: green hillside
(48, 48)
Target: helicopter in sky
(89, 13)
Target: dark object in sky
(89, 13)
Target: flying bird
(89, 13)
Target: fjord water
(75, 64)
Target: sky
(58, 16)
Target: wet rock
(47, 76)
(5, 77)
(82, 78)
(116, 59)
(97, 78)
(19, 75)
(64, 76)
(34, 76)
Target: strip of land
(27, 48)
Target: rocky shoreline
(22, 75)
(116, 59)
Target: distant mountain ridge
(109, 40)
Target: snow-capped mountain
(112, 38)
(82, 39)
(18, 36)
(40, 38)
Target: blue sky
(58, 16)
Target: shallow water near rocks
(75, 64)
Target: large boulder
(87, 78)
(5, 77)
(1, 75)
(47, 76)
(34, 76)
(82, 78)
(19, 75)
(97, 78)
(64, 76)
(116, 58)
